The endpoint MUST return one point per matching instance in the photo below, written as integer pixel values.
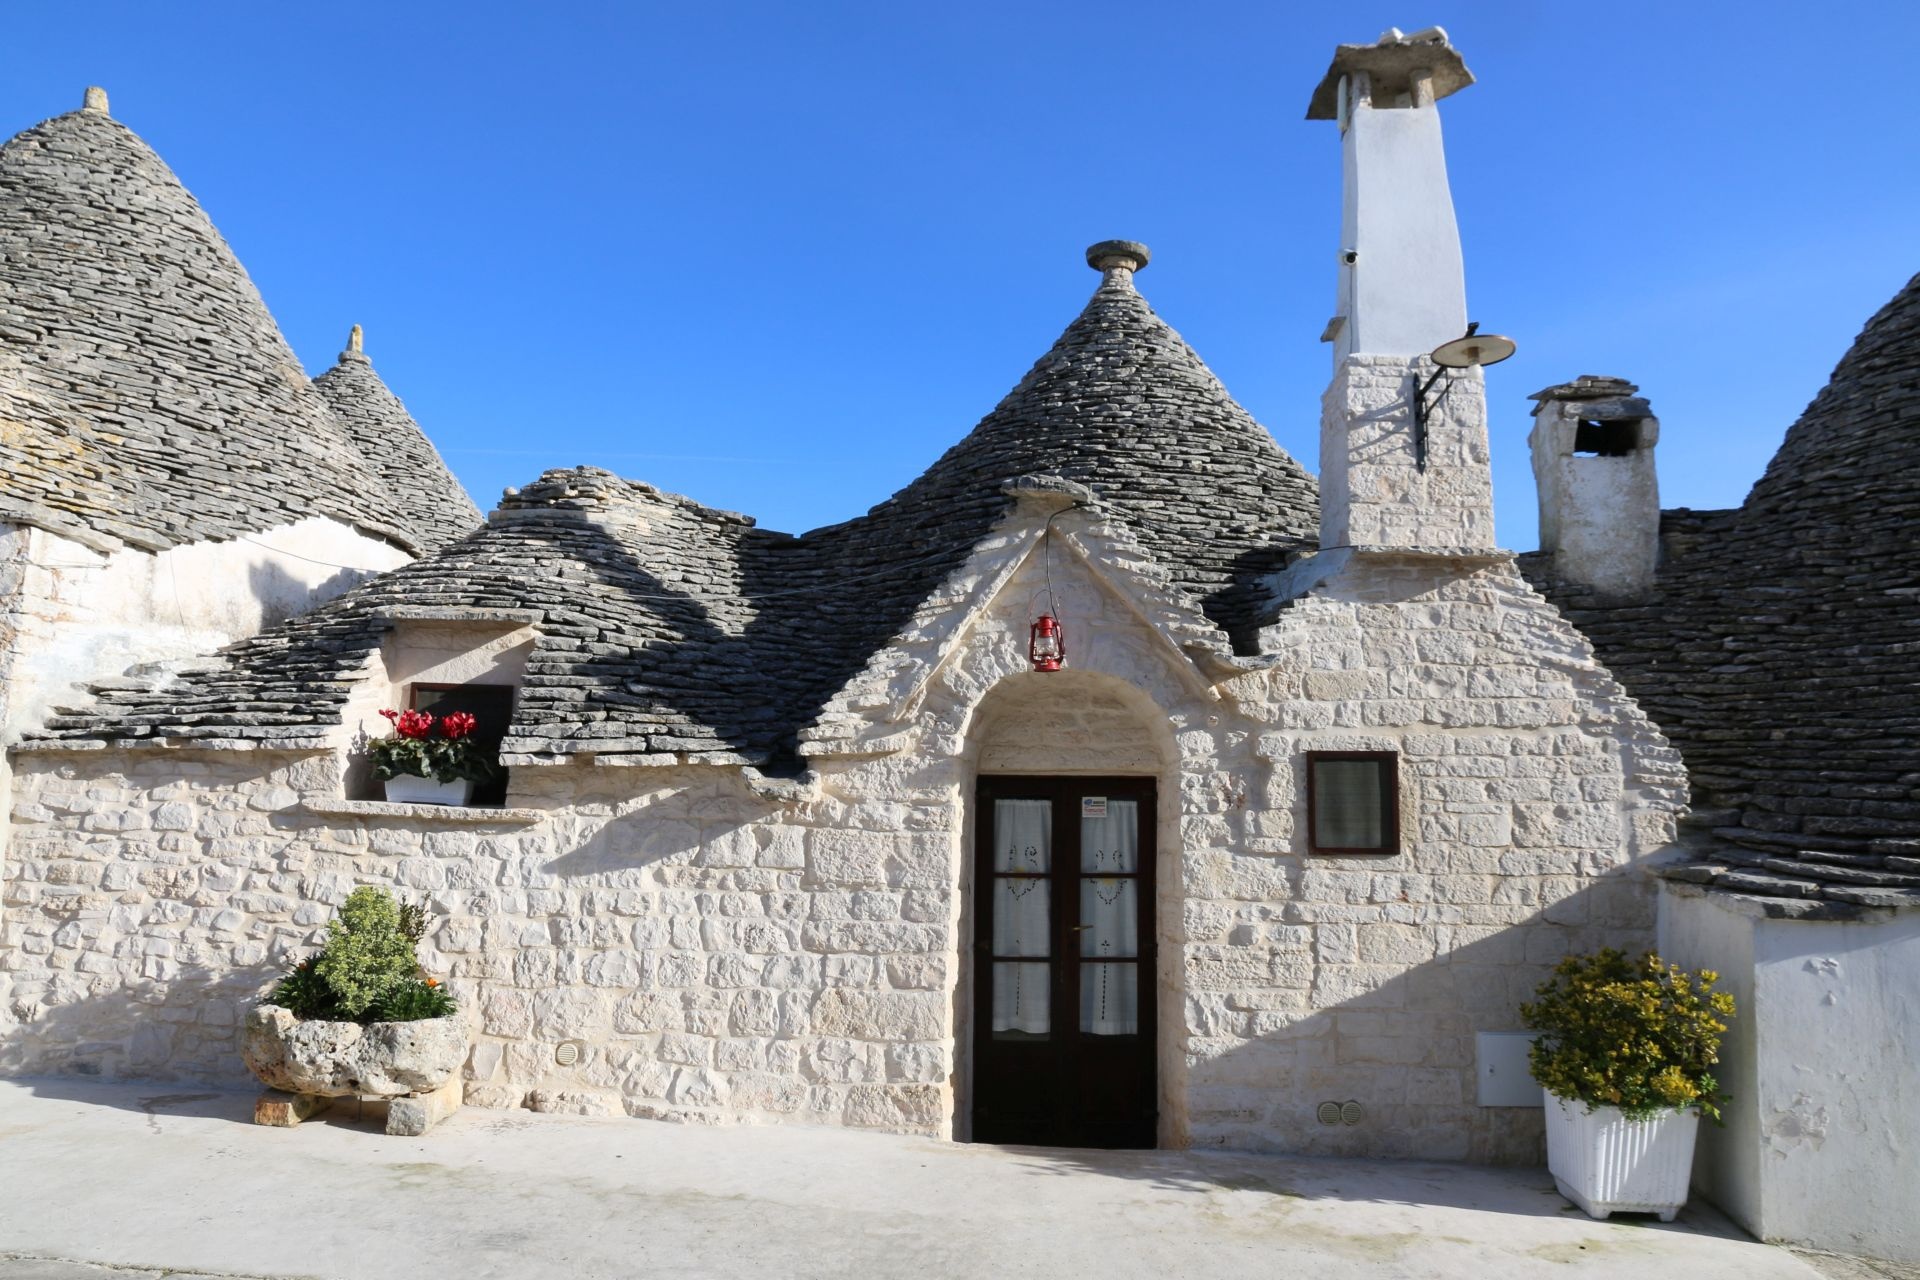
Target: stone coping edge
(471, 815)
(1814, 910)
(1477, 555)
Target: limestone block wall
(717, 955)
(1372, 490)
(1531, 788)
(722, 949)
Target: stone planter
(416, 1064)
(1607, 1164)
(404, 788)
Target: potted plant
(1625, 1054)
(360, 1020)
(429, 759)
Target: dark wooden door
(1064, 975)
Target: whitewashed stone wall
(726, 948)
(70, 613)
(1817, 1144)
(1599, 514)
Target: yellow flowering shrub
(1641, 1035)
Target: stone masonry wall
(1530, 789)
(727, 950)
(1372, 490)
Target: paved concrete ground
(108, 1181)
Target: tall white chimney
(1402, 292)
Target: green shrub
(368, 971)
(306, 994)
(367, 951)
(1641, 1035)
(413, 1000)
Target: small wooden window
(491, 706)
(1353, 802)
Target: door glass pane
(1020, 917)
(1111, 910)
(1022, 835)
(1020, 1000)
(1110, 999)
(1347, 808)
(1110, 842)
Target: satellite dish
(1473, 349)
(1469, 351)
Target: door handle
(1077, 928)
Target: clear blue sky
(778, 256)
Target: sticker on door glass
(1093, 806)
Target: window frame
(1389, 818)
(488, 795)
(417, 687)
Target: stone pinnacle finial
(1118, 255)
(95, 100)
(356, 340)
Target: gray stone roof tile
(669, 629)
(1780, 648)
(417, 490)
(149, 398)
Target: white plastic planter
(404, 788)
(1608, 1164)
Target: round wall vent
(1352, 1112)
(1328, 1113)
(567, 1052)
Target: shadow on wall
(637, 840)
(1399, 997)
(281, 595)
(174, 1032)
(1402, 1003)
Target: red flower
(411, 724)
(457, 725)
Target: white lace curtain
(1022, 914)
(1110, 908)
(1109, 911)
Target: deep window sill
(471, 815)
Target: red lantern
(1046, 643)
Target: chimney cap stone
(1588, 386)
(1125, 255)
(1390, 64)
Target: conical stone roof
(667, 627)
(1122, 405)
(123, 308)
(417, 490)
(1780, 648)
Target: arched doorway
(1064, 985)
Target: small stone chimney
(1401, 293)
(1592, 443)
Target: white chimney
(1402, 292)
(1592, 444)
